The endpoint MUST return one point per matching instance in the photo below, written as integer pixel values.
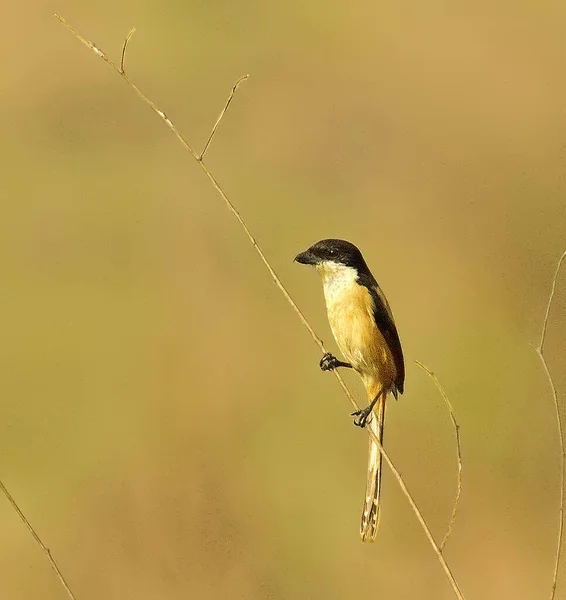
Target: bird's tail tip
(371, 510)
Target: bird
(364, 329)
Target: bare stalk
(221, 115)
(124, 48)
(36, 537)
(274, 276)
(539, 350)
(458, 452)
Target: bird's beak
(306, 258)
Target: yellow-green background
(163, 422)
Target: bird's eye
(332, 251)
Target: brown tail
(370, 514)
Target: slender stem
(539, 350)
(36, 537)
(124, 48)
(458, 452)
(221, 115)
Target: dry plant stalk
(539, 350)
(277, 281)
(458, 451)
(36, 537)
(221, 115)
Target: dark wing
(386, 325)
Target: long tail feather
(370, 514)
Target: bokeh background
(164, 424)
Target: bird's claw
(363, 417)
(328, 362)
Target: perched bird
(363, 326)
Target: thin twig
(458, 451)
(36, 537)
(281, 287)
(539, 350)
(124, 48)
(221, 115)
(550, 298)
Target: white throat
(338, 280)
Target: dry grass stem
(458, 452)
(539, 350)
(221, 115)
(274, 276)
(124, 48)
(36, 537)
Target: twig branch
(36, 537)
(277, 282)
(539, 350)
(124, 48)
(458, 452)
(550, 298)
(221, 115)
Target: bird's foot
(363, 416)
(329, 362)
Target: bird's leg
(363, 415)
(329, 362)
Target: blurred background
(164, 423)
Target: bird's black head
(340, 252)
